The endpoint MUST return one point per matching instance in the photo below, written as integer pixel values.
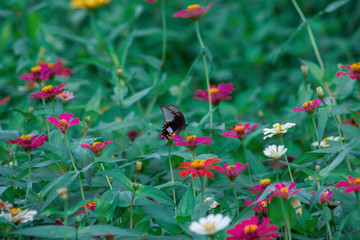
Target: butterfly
(174, 120)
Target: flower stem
(287, 224)
(131, 209)
(277, 171)
(202, 188)
(29, 178)
(341, 141)
(53, 108)
(248, 167)
(327, 223)
(164, 32)
(286, 159)
(66, 217)
(107, 178)
(315, 129)
(47, 123)
(193, 183)
(172, 177)
(235, 196)
(358, 205)
(333, 219)
(206, 73)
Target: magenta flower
(193, 12)
(354, 71)
(192, 142)
(4, 100)
(326, 195)
(49, 92)
(283, 191)
(65, 96)
(240, 131)
(259, 189)
(150, 1)
(218, 94)
(64, 122)
(28, 142)
(251, 229)
(97, 147)
(261, 207)
(232, 171)
(308, 107)
(352, 185)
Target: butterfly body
(174, 121)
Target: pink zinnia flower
(352, 185)
(4, 100)
(64, 122)
(251, 229)
(192, 142)
(240, 131)
(326, 195)
(218, 94)
(65, 96)
(354, 71)
(261, 207)
(232, 171)
(193, 12)
(259, 189)
(283, 191)
(28, 142)
(150, 1)
(49, 92)
(308, 107)
(97, 147)
(200, 167)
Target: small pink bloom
(4, 100)
(308, 107)
(65, 96)
(97, 147)
(150, 1)
(193, 12)
(218, 94)
(28, 142)
(240, 131)
(283, 191)
(261, 207)
(49, 92)
(232, 171)
(326, 195)
(354, 71)
(192, 142)
(353, 184)
(251, 229)
(259, 189)
(64, 122)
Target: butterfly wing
(175, 120)
(179, 118)
(168, 114)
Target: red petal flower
(4, 100)
(97, 147)
(232, 171)
(283, 191)
(199, 167)
(49, 92)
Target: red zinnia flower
(64, 122)
(240, 131)
(352, 121)
(326, 195)
(251, 229)
(354, 71)
(28, 142)
(90, 206)
(283, 191)
(97, 147)
(49, 92)
(308, 107)
(192, 142)
(232, 171)
(259, 189)
(352, 185)
(218, 94)
(4, 100)
(193, 12)
(200, 167)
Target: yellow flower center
(357, 181)
(309, 103)
(26, 137)
(94, 144)
(198, 164)
(239, 128)
(279, 128)
(90, 204)
(311, 178)
(264, 203)
(213, 90)
(209, 226)
(284, 190)
(230, 166)
(190, 138)
(193, 7)
(325, 140)
(15, 211)
(35, 69)
(356, 67)
(265, 181)
(47, 88)
(250, 228)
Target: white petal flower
(17, 216)
(277, 129)
(275, 152)
(324, 143)
(210, 224)
(214, 203)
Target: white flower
(275, 152)
(277, 129)
(5, 205)
(18, 216)
(324, 143)
(214, 204)
(210, 224)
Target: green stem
(316, 131)
(53, 108)
(107, 178)
(193, 182)
(311, 35)
(286, 159)
(14, 158)
(327, 223)
(206, 73)
(164, 39)
(277, 171)
(248, 167)
(358, 206)
(83, 137)
(287, 224)
(333, 219)
(341, 141)
(202, 189)
(172, 177)
(29, 178)
(131, 209)
(235, 196)
(47, 123)
(137, 102)
(66, 217)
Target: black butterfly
(174, 120)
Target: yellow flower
(89, 4)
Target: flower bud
(260, 114)
(30, 110)
(304, 70)
(320, 93)
(138, 166)
(77, 220)
(120, 73)
(317, 168)
(333, 205)
(135, 186)
(63, 193)
(110, 180)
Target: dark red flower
(97, 147)
(28, 142)
(199, 167)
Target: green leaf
(25, 114)
(187, 203)
(323, 116)
(120, 177)
(106, 229)
(314, 69)
(136, 97)
(50, 231)
(280, 208)
(154, 193)
(326, 171)
(33, 22)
